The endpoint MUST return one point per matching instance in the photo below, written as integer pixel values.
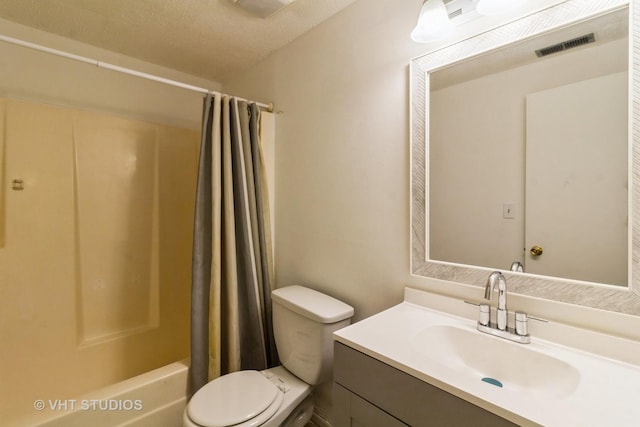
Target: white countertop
(608, 393)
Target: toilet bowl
(249, 398)
(303, 323)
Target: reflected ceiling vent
(262, 8)
(562, 46)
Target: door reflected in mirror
(528, 155)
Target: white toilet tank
(303, 323)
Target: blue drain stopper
(492, 381)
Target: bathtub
(153, 399)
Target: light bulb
(433, 22)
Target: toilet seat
(243, 398)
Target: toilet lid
(232, 399)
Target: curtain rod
(123, 70)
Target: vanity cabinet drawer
(396, 395)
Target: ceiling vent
(262, 8)
(569, 44)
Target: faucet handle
(485, 314)
(521, 323)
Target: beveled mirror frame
(606, 297)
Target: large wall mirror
(521, 146)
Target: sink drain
(492, 381)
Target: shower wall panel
(116, 208)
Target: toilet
(303, 323)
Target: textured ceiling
(205, 38)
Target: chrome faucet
(496, 276)
(517, 267)
(500, 329)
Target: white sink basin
(515, 368)
(434, 339)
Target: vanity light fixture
(497, 7)
(439, 18)
(433, 22)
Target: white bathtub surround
(153, 399)
(595, 391)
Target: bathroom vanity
(370, 393)
(424, 363)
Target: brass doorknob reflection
(535, 250)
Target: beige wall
(342, 182)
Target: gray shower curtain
(232, 274)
